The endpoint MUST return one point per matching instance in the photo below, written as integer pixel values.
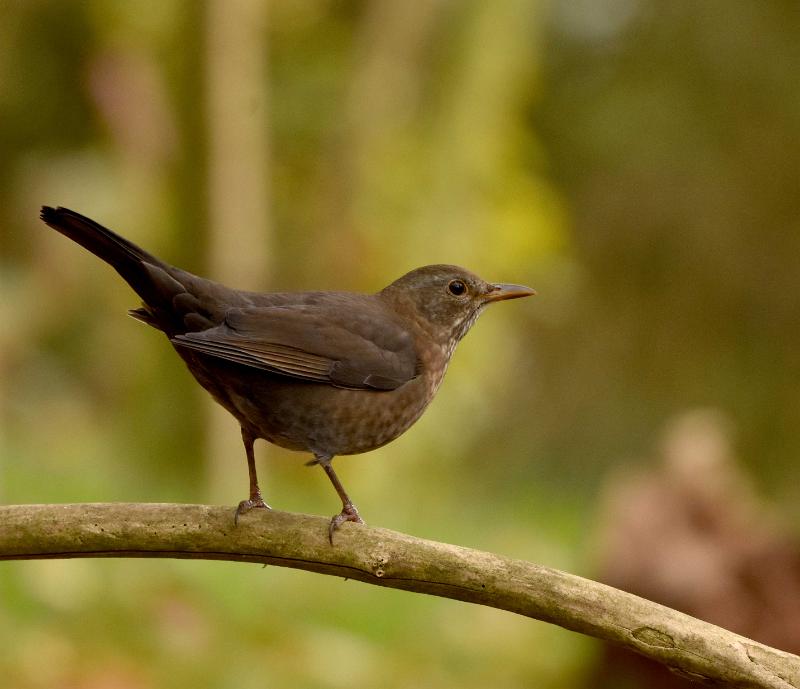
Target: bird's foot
(349, 513)
(245, 506)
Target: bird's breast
(317, 417)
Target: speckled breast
(318, 418)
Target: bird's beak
(501, 291)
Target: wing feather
(314, 343)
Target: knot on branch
(653, 637)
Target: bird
(328, 373)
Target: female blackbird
(330, 373)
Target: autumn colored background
(635, 161)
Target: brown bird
(330, 373)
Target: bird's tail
(150, 278)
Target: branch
(689, 646)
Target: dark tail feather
(101, 241)
(147, 275)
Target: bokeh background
(639, 422)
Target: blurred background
(638, 422)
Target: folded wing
(314, 342)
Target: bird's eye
(457, 288)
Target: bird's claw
(349, 513)
(246, 505)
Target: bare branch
(377, 556)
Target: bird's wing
(353, 348)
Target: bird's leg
(255, 499)
(349, 512)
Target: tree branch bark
(689, 646)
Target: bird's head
(446, 300)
